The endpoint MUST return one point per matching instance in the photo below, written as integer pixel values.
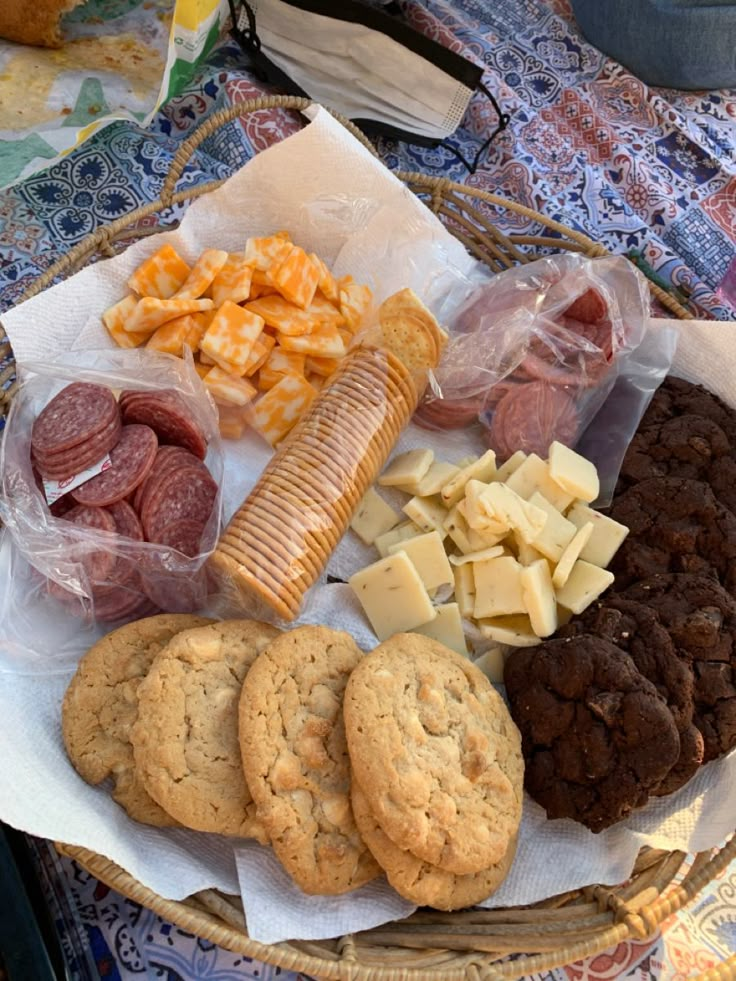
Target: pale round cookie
(418, 881)
(101, 705)
(295, 758)
(185, 740)
(433, 746)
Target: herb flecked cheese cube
(557, 533)
(447, 628)
(393, 595)
(515, 631)
(407, 529)
(427, 513)
(584, 585)
(571, 554)
(606, 537)
(407, 468)
(533, 475)
(539, 598)
(482, 469)
(573, 472)
(497, 587)
(374, 517)
(465, 589)
(430, 560)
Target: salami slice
(530, 417)
(98, 562)
(167, 415)
(126, 521)
(168, 459)
(121, 603)
(131, 460)
(62, 505)
(448, 414)
(184, 535)
(187, 493)
(75, 415)
(61, 466)
(589, 308)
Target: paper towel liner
(336, 200)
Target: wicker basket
(476, 945)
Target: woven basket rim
(626, 910)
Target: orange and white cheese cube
(327, 282)
(151, 313)
(224, 387)
(278, 411)
(231, 335)
(232, 282)
(296, 278)
(173, 336)
(284, 316)
(263, 253)
(161, 275)
(203, 272)
(355, 301)
(280, 363)
(206, 359)
(326, 312)
(259, 355)
(323, 342)
(323, 367)
(201, 369)
(233, 420)
(115, 319)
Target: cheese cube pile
(267, 327)
(517, 548)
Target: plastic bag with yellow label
(110, 60)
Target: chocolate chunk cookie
(700, 617)
(677, 397)
(597, 737)
(636, 629)
(687, 446)
(676, 525)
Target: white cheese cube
(514, 512)
(432, 482)
(485, 553)
(526, 554)
(478, 513)
(393, 595)
(571, 555)
(406, 468)
(491, 663)
(511, 466)
(465, 461)
(606, 538)
(407, 529)
(533, 475)
(456, 527)
(557, 533)
(374, 517)
(585, 584)
(573, 472)
(539, 598)
(497, 587)
(483, 469)
(428, 555)
(465, 589)
(516, 631)
(447, 628)
(426, 513)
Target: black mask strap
(503, 120)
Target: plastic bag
(103, 570)
(534, 354)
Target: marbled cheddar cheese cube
(322, 366)
(115, 319)
(327, 282)
(233, 281)
(199, 324)
(316, 380)
(259, 355)
(151, 313)
(224, 387)
(277, 412)
(201, 369)
(282, 315)
(323, 342)
(231, 335)
(296, 278)
(233, 420)
(280, 363)
(161, 275)
(259, 290)
(263, 253)
(206, 359)
(355, 301)
(203, 272)
(171, 337)
(325, 313)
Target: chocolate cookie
(596, 735)
(686, 446)
(677, 397)
(700, 617)
(676, 525)
(636, 629)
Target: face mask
(384, 76)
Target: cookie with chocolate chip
(597, 737)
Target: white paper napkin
(336, 200)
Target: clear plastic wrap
(534, 354)
(105, 570)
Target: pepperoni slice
(167, 415)
(131, 460)
(530, 417)
(75, 415)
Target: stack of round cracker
(279, 541)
